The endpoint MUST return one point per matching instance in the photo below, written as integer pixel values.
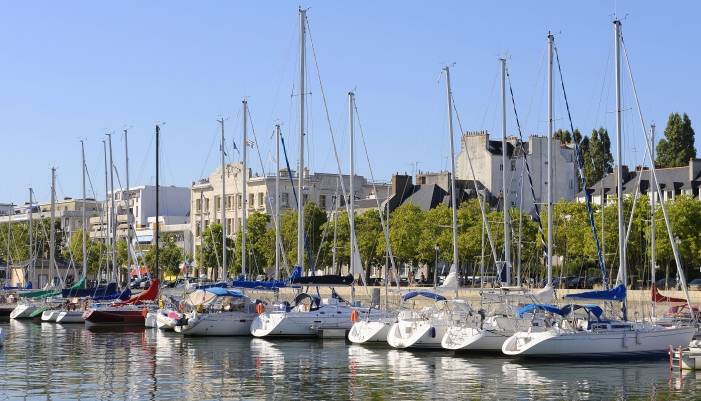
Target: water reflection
(45, 360)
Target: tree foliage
(170, 256)
(677, 147)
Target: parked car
(561, 281)
(136, 283)
(576, 283)
(666, 283)
(145, 284)
(592, 281)
(695, 284)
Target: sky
(79, 70)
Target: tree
(596, 156)
(211, 247)
(170, 256)
(256, 255)
(678, 147)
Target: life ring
(260, 308)
(144, 312)
(354, 316)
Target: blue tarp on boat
(437, 297)
(122, 296)
(267, 285)
(218, 291)
(614, 294)
(543, 307)
(110, 289)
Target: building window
(206, 205)
(501, 167)
(284, 199)
(305, 198)
(197, 230)
(260, 199)
(322, 201)
(513, 165)
(217, 203)
(198, 205)
(251, 200)
(239, 201)
(230, 202)
(571, 186)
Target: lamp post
(678, 241)
(435, 267)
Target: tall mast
(113, 226)
(453, 198)
(128, 239)
(300, 172)
(551, 40)
(619, 172)
(653, 185)
(107, 203)
(201, 269)
(52, 238)
(31, 240)
(243, 190)
(277, 202)
(158, 190)
(351, 189)
(505, 186)
(85, 225)
(223, 198)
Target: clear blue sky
(79, 69)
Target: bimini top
(223, 292)
(437, 297)
(593, 309)
(324, 280)
(543, 307)
(614, 294)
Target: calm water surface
(51, 361)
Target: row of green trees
(414, 233)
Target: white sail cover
(543, 296)
(451, 280)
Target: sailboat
(592, 335)
(133, 310)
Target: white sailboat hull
(50, 315)
(370, 331)
(218, 324)
(590, 344)
(417, 333)
(70, 317)
(23, 311)
(301, 323)
(488, 336)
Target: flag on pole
(235, 148)
(270, 156)
(250, 142)
(220, 149)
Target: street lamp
(435, 267)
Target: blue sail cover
(221, 292)
(426, 294)
(123, 296)
(593, 309)
(267, 285)
(543, 307)
(614, 294)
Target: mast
(201, 269)
(300, 172)
(351, 211)
(505, 159)
(619, 172)
(85, 225)
(31, 240)
(551, 40)
(128, 239)
(277, 202)
(653, 185)
(104, 148)
(243, 190)
(453, 198)
(158, 190)
(113, 226)
(52, 240)
(223, 197)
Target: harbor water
(48, 361)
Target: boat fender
(144, 312)
(161, 304)
(181, 307)
(354, 316)
(85, 305)
(432, 332)
(260, 308)
(199, 308)
(638, 338)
